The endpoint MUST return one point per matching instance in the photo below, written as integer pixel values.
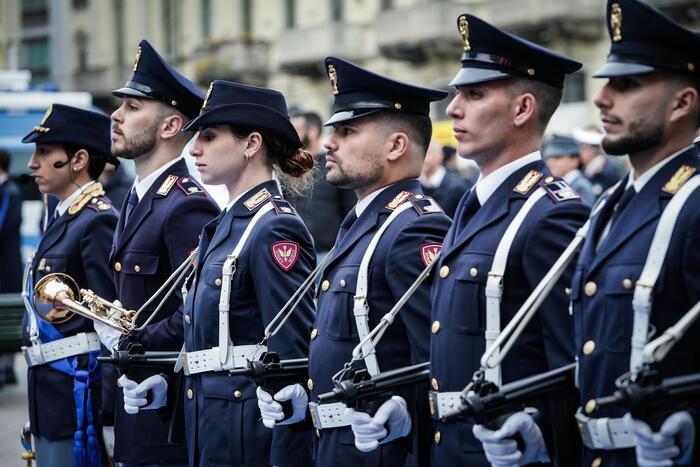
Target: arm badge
(428, 252)
(285, 254)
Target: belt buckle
(315, 418)
(585, 432)
(433, 402)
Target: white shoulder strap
(361, 306)
(228, 270)
(494, 283)
(644, 289)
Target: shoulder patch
(99, 204)
(425, 205)
(527, 182)
(398, 200)
(282, 206)
(189, 186)
(92, 192)
(285, 254)
(678, 179)
(167, 185)
(558, 190)
(428, 252)
(257, 199)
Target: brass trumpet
(57, 297)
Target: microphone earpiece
(60, 164)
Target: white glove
(503, 452)
(370, 432)
(271, 409)
(135, 394)
(660, 449)
(108, 335)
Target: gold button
(473, 272)
(47, 269)
(597, 462)
(590, 406)
(418, 196)
(435, 327)
(187, 319)
(437, 437)
(324, 285)
(549, 179)
(588, 347)
(627, 283)
(310, 384)
(434, 384)
(217, 282)
(444, 271)
(397, 106)
(173, 103)
(117, 266)
(531, 71)
(567, 290)
(590, 288)
(236, 393)
(314, 333)
(137, 268)
(190, 394)
(343, 283)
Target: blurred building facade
(89, 45)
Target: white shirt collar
(646, 176)
(142, 186)
(63, 206)
(486, 186)
(435, 179)
(571, 176)
(364, 202)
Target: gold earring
(247, 156)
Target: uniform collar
(63, 206)
(364, 202)
(142, 186)
(643, 179)
(571, 176)
(486, 186)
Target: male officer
(650, 110)
(158, 227)
(444, 186)
(72, 148)
(561, 153)
(508, 89)
(381, 130)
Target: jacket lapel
(53, 234)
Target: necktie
(346, 224)
(131, 204)
(471, 206)
(52, 220)
(624, 201)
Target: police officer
(244, 134)
(381, 130)
(561, 153)
(650, 110)
(71, 149)
(507, 90)
(158, 228)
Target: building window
(337, 11)
(81, 46)
(35, 57)
(80, 4)
(386, 5)
(118, 14)
(206, 19)
(574, 88)
(247, 17)
(290, 14)
(170, 10)
(35, 13)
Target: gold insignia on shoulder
(616, 22)
(678, 179)
(167, 185)
(333, 78)
(527, 182)
(86, 197)
(398, 200)
(102, 206)
(138, 57)
(206, 98)
(464, 32)
(257, 199)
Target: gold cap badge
(616, 22)
(41, 128)
(464, 32)
(206, 98)
(333, 78)
(138, 57)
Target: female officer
(251, 259)
(72, 147)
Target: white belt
(604, 433)
(443, 403)
(208, 360)
(328, 415)
(79, 344)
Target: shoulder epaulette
(101, 203)
(91, 193)
(258, 199)
(167, 185)
(282, 206)
(527, 182)
(425, 205)
(558, 190)
(677, 180)
(189, 186)
(398, 200)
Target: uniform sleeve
(546, 242)
(95, 245)
(403, 266)
(291, 446)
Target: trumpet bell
(50, 293)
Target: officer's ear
(399, 143)
(524, 109)
(685, 101)
(254, 144)
(172, 126)
(80, 160)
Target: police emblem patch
(285, 254)
(428, 252)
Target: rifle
(649, 397)
(136, 357)
(366, 393)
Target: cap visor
(127, 91)
(623, 69)
(347, 115)
(466, 76)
